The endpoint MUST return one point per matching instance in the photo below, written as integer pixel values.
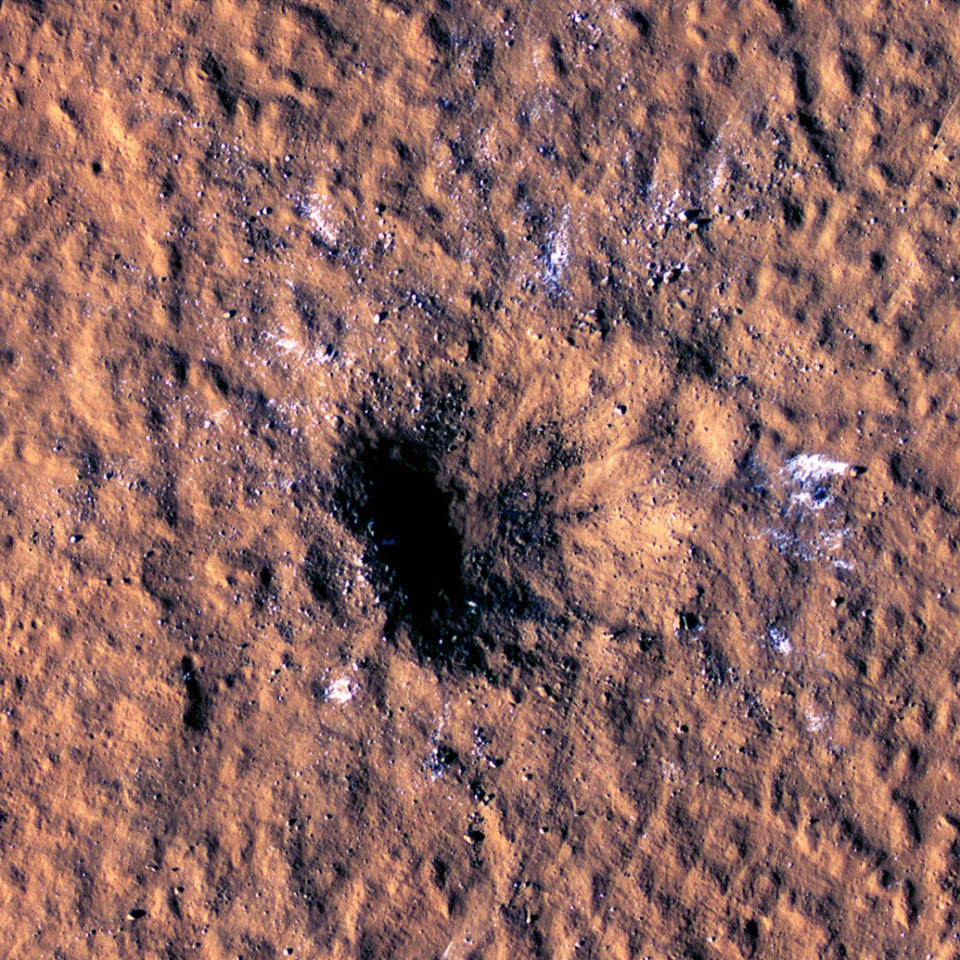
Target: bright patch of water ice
(556, 254)
(815, 721)
(779, 641)
(340, 691)
(301, 353)
(812, 523)
(810, 475)
(811, 467)
(321, 215)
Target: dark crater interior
(448, 597)
(390, 497)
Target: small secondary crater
(197, 707)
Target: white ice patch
(815, 721)
(670, 771)
(779, 641)
(814, 468)
(810, 475)
(340, 691)
(320, 215)
(300, 352)
(811, 524)
(557, 253)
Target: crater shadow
(391, 498)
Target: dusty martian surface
(479, 481)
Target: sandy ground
(479, 481)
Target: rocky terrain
(478, 480)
